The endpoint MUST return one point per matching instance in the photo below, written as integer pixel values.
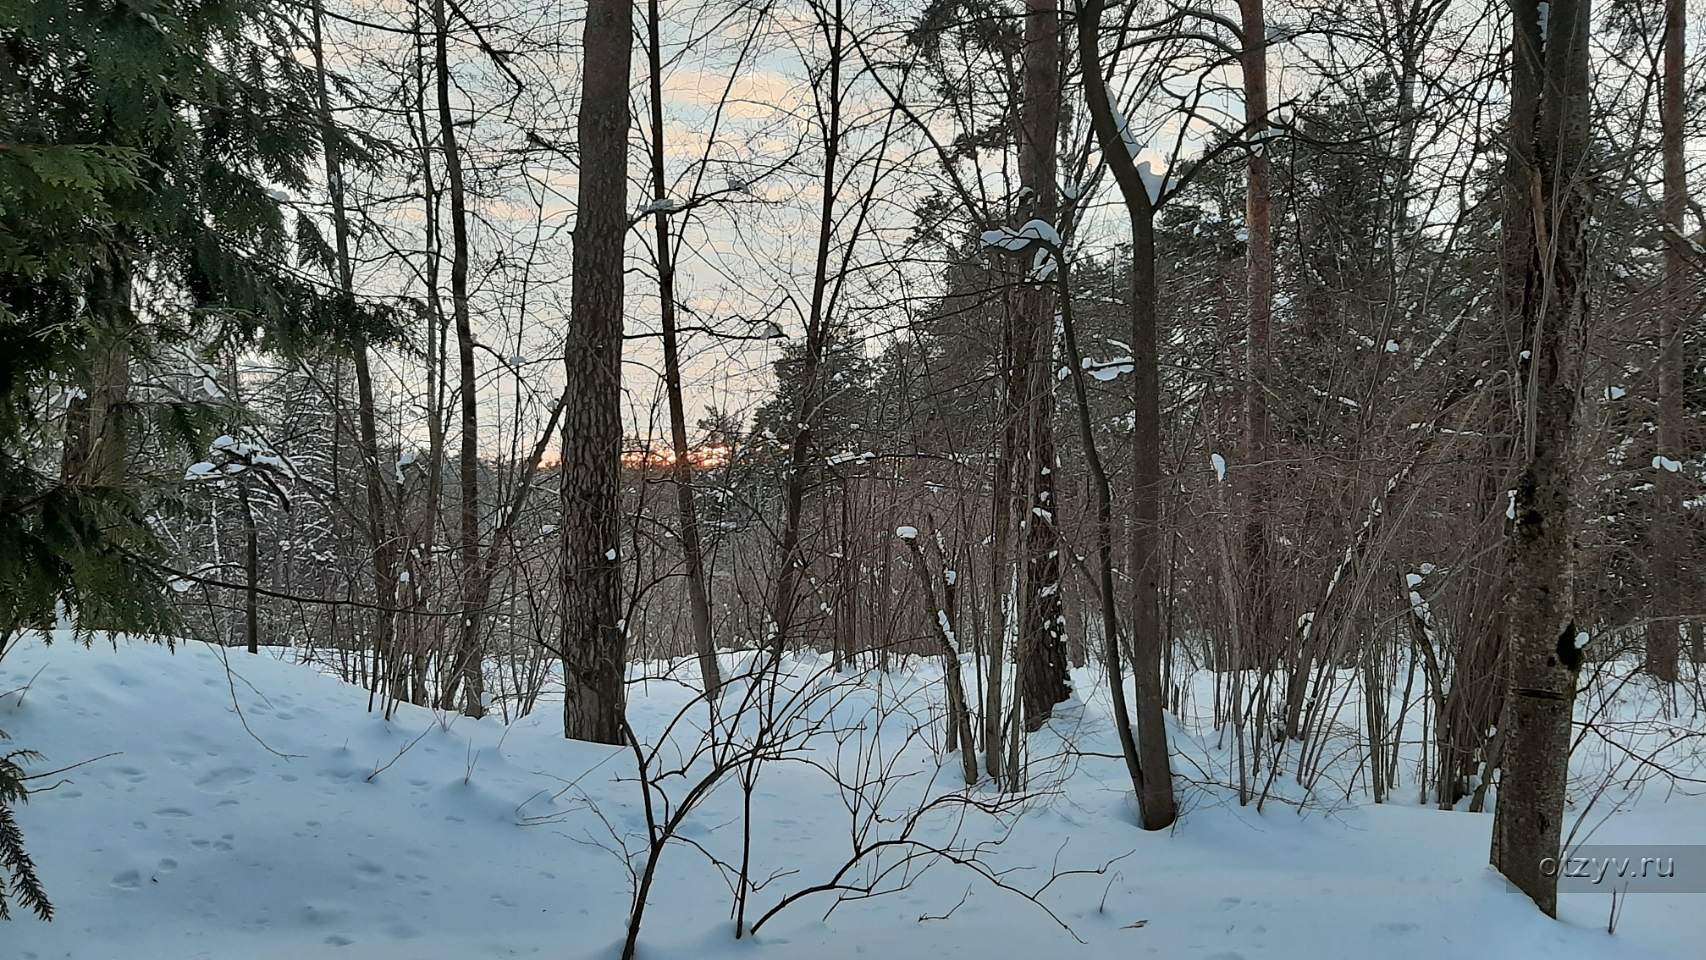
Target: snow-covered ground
(237, 813)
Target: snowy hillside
(261, 812)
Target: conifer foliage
(148, 153)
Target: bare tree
(1152, 773)
(681, 464)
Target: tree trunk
(1544, 653)
(466, 668)
(425, 630)
(1259, 639)
(1001, 581)
(941, 611)
(692, 552)
(594, 638)
(789, 562)
(1668, 523)
(97, 437)
(251, 568)
(1154, 780)
(1043, 679)
(378, 534)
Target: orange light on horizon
(657, 455)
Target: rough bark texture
(1153, 775)
(1544, 655)
(593, 638)
(692, 551)
(1259, 640)
(1042, 641)
(1001, 584)
(1668, 520)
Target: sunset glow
(659, 455)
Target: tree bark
(1544, 654)
(1668, 521)
(1042, 668)
(1259, 640)
(97, 436)
(959, 715)
(378, 533)
(789, 562)
(594, 638)
(681, 467)
(466, 670)
(1152, 770)
(251, 569)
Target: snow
(1219, 466)
(610, 554)
(238, 806)
(660, 205)
(906, 533)
(1662, 462)
(1615, 393)
(1110, 369)
(1033, 233)
(1153, 181)
(948, 631)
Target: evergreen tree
(145, 153)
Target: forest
(1209, 478)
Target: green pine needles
(148, 153)
(18, 880)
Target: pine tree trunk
(1544, 653)
(1668, 523)
(594, 638)
(1259, 640)
(1043, 679)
